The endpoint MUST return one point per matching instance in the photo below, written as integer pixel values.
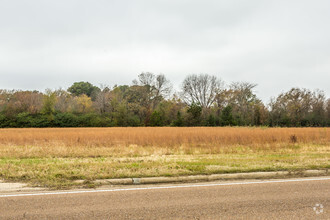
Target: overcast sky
(278, 44)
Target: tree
(163, 86)
(48, 107)
(328, 112)
(317, 115)
(179, 120)
(14, 102)
(227, 117)
(211, 121)
(195, 112)
(83, 104)
(64, 101)
(148, 91)
(201, 89)
(156, 119)
(169, 110)
(243, 101)
(80, 88)
(103, 100)
(298, 107)
(157, 86)
(149, 101)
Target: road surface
(307, 198)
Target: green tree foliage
(211, 121)
(227, 116)
(156, 119)
(179, 120)
(194, 114)
(84, 88)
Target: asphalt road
(298, 199)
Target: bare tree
(146, 78)
(103, 99)
(201, 89)
(162, 85)
(158, 85)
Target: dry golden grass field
(55, 157)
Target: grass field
(56, 157)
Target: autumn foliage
(150, 101)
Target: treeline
(204, 100)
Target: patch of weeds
(89, 184)
(192, 166)
(294, 147)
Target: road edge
(213, 177)
(6, 187)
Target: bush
(156, 119)
(66, 120)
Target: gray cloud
(277, 44)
